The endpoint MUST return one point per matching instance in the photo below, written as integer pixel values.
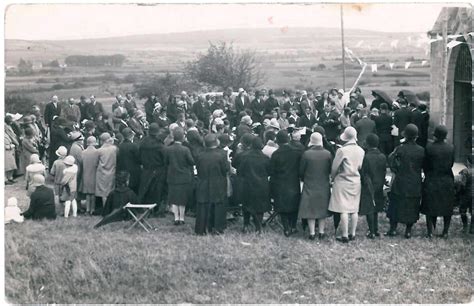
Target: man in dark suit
(128, 159)
(401, 118)
(257, 107)
(329, 120)
(211, 191)
(364, 127)
(153, 177)
(418, 119)
(423, 137)
(95, 108)
(383, 127)
(202, 111)
(285, 182)
(271, 103)
(129, 101)
(52, 109)
(41, 201)
(308, 119)
(242, 101)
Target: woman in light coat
(346, 189)
(105, 175)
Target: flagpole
(343, 53)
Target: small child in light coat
(69, 186)
(13, 212)
(57, 171)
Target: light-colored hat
(266, 122)
(218, 113)
(38, 180)
(316, 139)
(69, 160)
(360, 106)
(16, 117)
(274, 124)
(241, 90)
(341, 91)
(183, 93)
(246, 119)
(349, 134)
(35, 159)
(218, 121)
(173, 126)
(61, 151)
(303, 92)
(374, 111)
(12, 202)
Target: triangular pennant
(391, 65)
(373, 67)
(394, 43)
(407, 64)
(454, 43)
(423, 63)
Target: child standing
(35, 167)
(57, 172)
(69, 186)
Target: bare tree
(223, 66)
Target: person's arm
(31, 209)
(336, 164)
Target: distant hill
(319, 40)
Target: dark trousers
(386, 145)
(373, 223)
(210, 217)
(288, 220)
(257, 219)
(394, 225)
(431, 223)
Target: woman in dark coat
(128, 159)
(372, 199)
(58, 137)
(315, 171)
(253, 170)
(438, 187)
(179, 163)
(405, 195)
(285, 183)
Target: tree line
(115, 60)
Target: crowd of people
(302, 155)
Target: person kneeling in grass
(41, 201)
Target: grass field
(66, 261)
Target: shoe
(176, 222)
(391, 233)
(377, 234)
(8, 182)
(12, 181)
(181, 222)
(408, 235)
(429, 236)
(443, 235)
(342, 239)
(312, 237)
(371, 236)
(287, 233)
(321, 236)
(294, 231)
(245, 230)
(352, 238)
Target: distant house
(451, 77)
(10, 68)
(37, 65)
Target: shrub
(18, 103)
(401, 83)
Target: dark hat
(410, 132)
(440, 132)
(27, 120)
(246, 139)
(372, 140)
(127, 133)
(61, 121)
(257, 143)
(89, 124)
(224, 140)
(121, 178)
(29, 132)
(282, 137)
(270, 92)
(320, 130)
(154, 129)
(210, 140)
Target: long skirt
(403, 209)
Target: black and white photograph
(237, 153)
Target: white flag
(360, 62)
(394, 43)
(409, 39)
(391, 65)
(373, 67)
(407, 64)
(359, 43)
(423, 63)
(454, 43)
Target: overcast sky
(76, 21)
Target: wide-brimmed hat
(274, 124)
(61, 151)
(38, 180)
(316, 139)
(76, 135)
(349, 134)
(341, 91)
(246, 120)
(104, 137)
(317, 94)
(440, 132)
(218, 121)
(127, 133)
(35, 159)
(12, 202)
(91, 140)
(69, 160)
